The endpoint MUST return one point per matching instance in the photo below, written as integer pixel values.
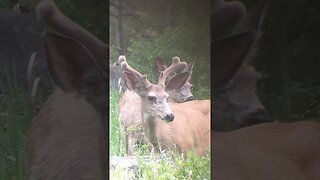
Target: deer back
(268, 151)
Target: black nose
(169, 117)
(190, 98)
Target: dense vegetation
(289, 59)
(143, 30)
(166, 165)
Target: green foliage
(166, 165)
(177, 41)
(170, 166)
(14, 122)
(115, 144)
(8, 4)
(166, 29)
(91, 15)
(17, 109)
(289, 57)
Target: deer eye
(152, 98)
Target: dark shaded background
(289, 59)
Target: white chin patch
(146, 115)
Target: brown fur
(64, 143)
(189, 130)
(268, 151)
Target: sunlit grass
(14, 122)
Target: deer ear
(225, 16)
(133, 83)
(130, 81)
(69, 62)
(49, 14)
(159, 65)
(228, 54)
(177, 81)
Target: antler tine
(176, 64)
(188, 68)
(125, 66)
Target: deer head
(234, 78)
(178, 95)
(154, 96)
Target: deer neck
(149, 125)
(73, 110)
(69, 121)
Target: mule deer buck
(169, 125)
(130, 104)
(67, 139)
(265, 151)
(236, 103)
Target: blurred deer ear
(49, 14)
(177, 81)
(159, 66)
(228, 54)
(68, 61)
(225, 16)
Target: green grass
(164, 165)
(14, 121)
(16, 112)
(115, 147)
(168, 165)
